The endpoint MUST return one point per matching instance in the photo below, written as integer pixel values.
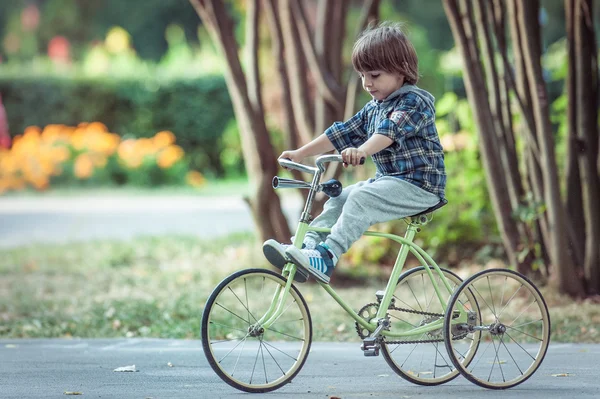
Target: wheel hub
(497, 328)
(255, 331)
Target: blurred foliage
(84, 22)
(197, 111)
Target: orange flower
(195, 178)
(40, 183)
(169, 156)
(97, 126)
(163, 139)
(98, 160)
(78, 138)
(32, 131)
(145, 146)
(54, 133)
(84, 167)
(129, 154)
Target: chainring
(367, 312)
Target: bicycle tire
(279, 352)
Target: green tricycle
(495, 326)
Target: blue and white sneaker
(275, 254)
(319, 262)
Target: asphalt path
(30, 220)
(178, 369)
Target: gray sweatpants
(364, 204)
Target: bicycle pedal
(371, 352)
(370, 347)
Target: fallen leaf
(73, 393)
(126, 368)
(11, 346)
(341, 328)
(562, 375)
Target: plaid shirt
(407, 118)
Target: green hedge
(196, 111)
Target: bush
(196, 110)
(90, 155)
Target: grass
(157, 287)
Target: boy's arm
(377, 142)
(318, 146)
(339, 136)
(349, 134)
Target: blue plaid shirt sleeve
(403, 123)
(349, 134)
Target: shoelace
(312, 253)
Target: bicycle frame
(407, 246)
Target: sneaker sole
(279, 260)
(296, 256)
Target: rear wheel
(422, 359)
(514, 324)
(244, 354)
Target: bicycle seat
(437, 206)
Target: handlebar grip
(361, 162)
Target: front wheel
(243, 354)
(514, 324)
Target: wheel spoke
(229, 327)
(524, 333)
(280, 351)
(245, 307)
(232, 349)
(287, 335)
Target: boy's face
(381, 84)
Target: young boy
(397, 128)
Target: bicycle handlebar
(289, 164)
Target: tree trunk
(556, 216)
(587, 133)
(297, 72)
(465, 36)
(259, 156)
(532, 154)
(292, 139)
(574, 200)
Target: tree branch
(253, 76)
(326, 83)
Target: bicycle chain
(423, 341)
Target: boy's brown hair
(385, 47)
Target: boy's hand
(294, 156)
(353, 156)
